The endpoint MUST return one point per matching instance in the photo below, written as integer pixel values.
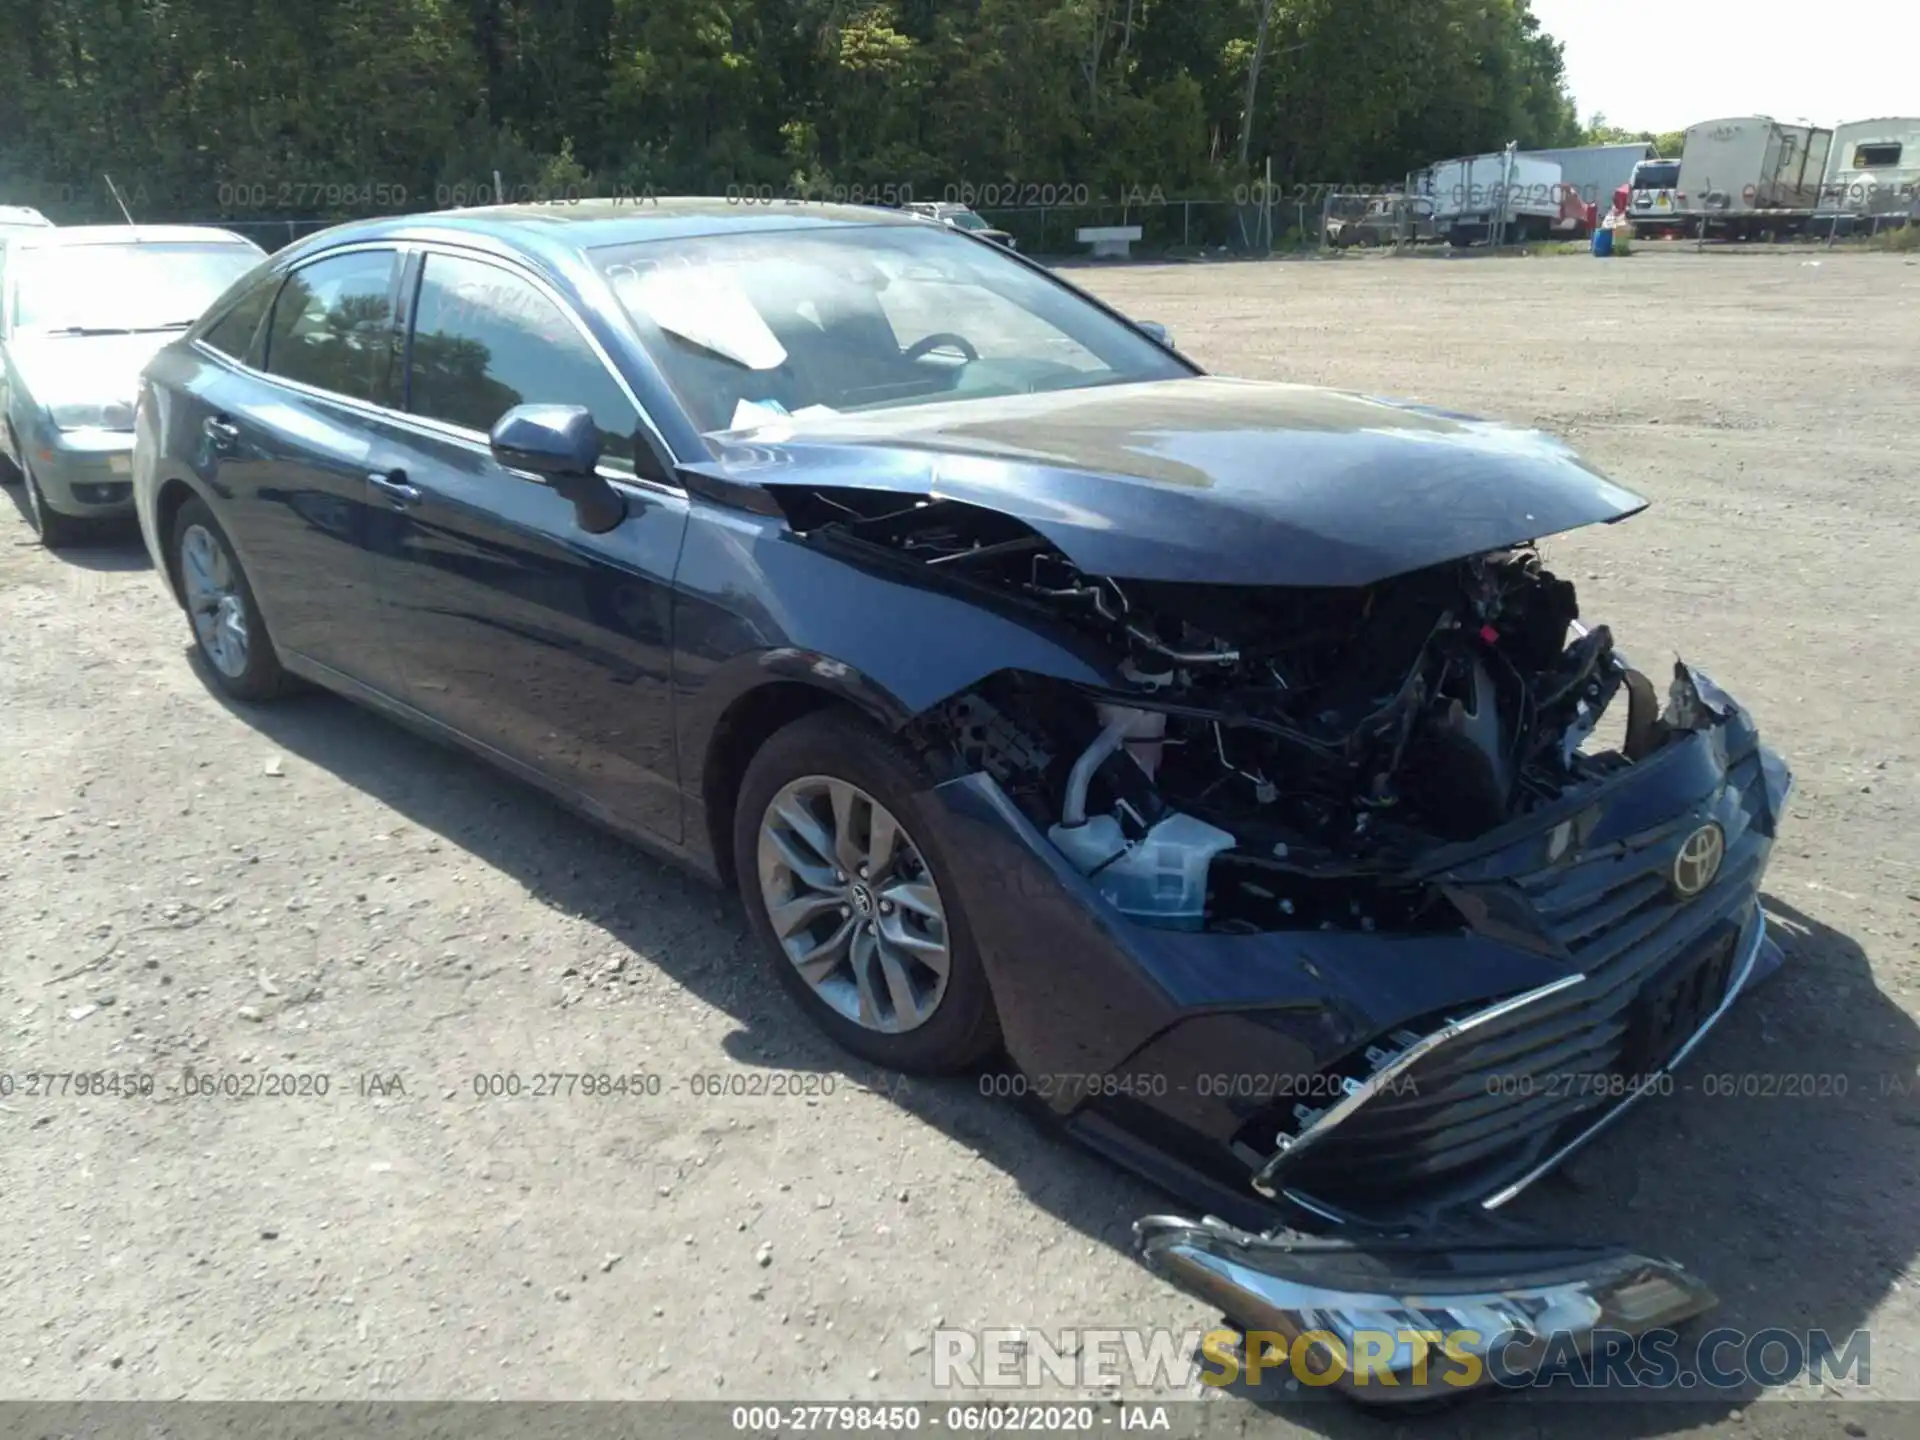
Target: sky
(1665, 64)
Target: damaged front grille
(1487, 1106)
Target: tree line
(236, 109)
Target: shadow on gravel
(107, 545)
(1781, 1168)
(682, 926)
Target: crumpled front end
(1329, 904)
(1650, 895)
(1377, 1083)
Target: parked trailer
(1749, 174)
(1506, 194)
(1596, 171)
(1873, 174)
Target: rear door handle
(393, 484)
(222, 432)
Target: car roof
(23, 215)
(594, 224)
(65, 235)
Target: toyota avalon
(1223, 753)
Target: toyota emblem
(1698, 861)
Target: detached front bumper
(1389, 1319)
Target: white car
(17, 218)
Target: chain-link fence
(1170, 227)
(1167, 227)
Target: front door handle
(393, 484)
(221, 431)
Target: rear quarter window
(240, 333)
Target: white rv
(1750, 173)
(1874, 170)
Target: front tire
(843, 866)
(227, 628)
(56, 531)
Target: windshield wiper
(87, 330)
(156, 329)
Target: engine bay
(1270, 755)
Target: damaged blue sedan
(1221, 753)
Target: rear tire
(227, 628)
(809, 771)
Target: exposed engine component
(1160, 877)
(1322, 731)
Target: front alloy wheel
(843, 861)
(852, 904)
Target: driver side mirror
(560, 444)
(1156, 330)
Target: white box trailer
(1505, 194)
(1874, 170)
(1596, 171)
(1750, 173)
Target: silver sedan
(82, 310)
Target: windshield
(152, 285)
(1660, 175)
(967, 220)
(748, 327)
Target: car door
(289, 434)
(513, 625)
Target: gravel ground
(305, 891)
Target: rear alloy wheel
(56, 531)
(837, 850)
(227, 628)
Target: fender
(892, 647)
(882, 643)
(147, 504)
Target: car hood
(1204, 478)
(85, 369)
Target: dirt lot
(305, 890)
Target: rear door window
(333, 325)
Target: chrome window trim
(441, 429)
(427, 248)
